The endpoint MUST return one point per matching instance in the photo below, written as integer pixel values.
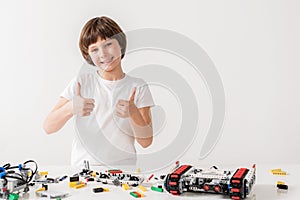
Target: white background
(254, 45)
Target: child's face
(106, 54)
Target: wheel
(206, 187)
(180, 187)
(217, 188)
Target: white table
(264, 189)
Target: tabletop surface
(264, 189)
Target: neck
(111, 76)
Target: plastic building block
(142, 188)
(141, 194)
(137, 194)
(97, 190)
(282, 185)
(157, 189)
(150, 177)
(74, 178)
(63, 178)
(73, 184)
(138, 171)
(2, 174)
(13, 197)
(89, 179)
(43, 173)
(79, 186)
(134, 194)
(2, 169)
(278, 172)
(116, 182)
(125, 186)
(115, 171)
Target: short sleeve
(69, 91)
(144, 96)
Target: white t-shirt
(103, 137)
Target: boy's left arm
(140, 119)
(142, 124)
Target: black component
(103, 176)
(63, 178)
(90, 179)
(282, 186)
(26, 189)
(133, 178)
(50, 180)
(162, 177)
(45, 186)
(74, 178)
(97, 190)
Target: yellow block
(43, 173)
(280, 183)
(142, 188)
(138, 171)
(276, 170)
(79, 186)
(279, 173)
(125, 186)
(41, 189)
(105, 189)
(75, 183)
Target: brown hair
(102, 27)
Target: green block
(134, 194)
(13, 197)
(156, 189)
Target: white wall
(254, 45)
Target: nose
(102, 53)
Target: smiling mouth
(107, 61)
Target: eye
(94, 50)
(108, 44)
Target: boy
(110, 105)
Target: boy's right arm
(58, 117)
(65, 109)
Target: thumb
(131, 98)
(78, 89)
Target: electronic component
(16, 179)
(186, 178)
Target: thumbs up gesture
(126, 108)
(82, 106)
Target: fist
(82, 106)
(125, 108)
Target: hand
(82, 106)
(126, 108)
